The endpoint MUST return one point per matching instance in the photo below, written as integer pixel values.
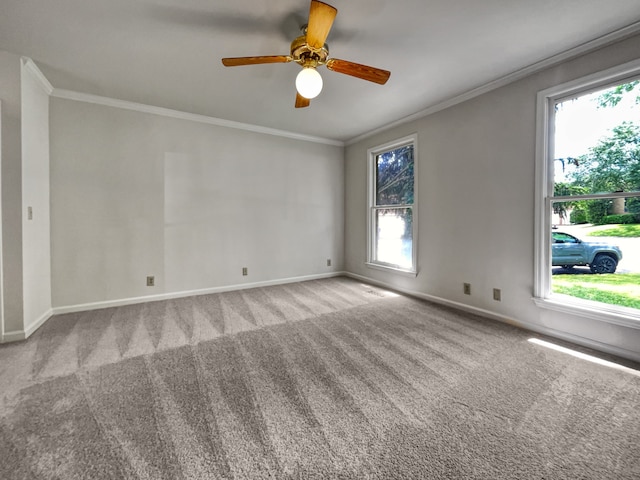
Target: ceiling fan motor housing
(307, 56)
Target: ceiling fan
(310, 51)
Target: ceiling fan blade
(237, 61)
(364, 72)
(302, 102)
(321, 17)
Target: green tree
(561, 189)
(395, 181)
(613, 96)
(597, 210)
(613, 165)
(395, 177)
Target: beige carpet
(323, 379)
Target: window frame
(544, 197)
(372, 207)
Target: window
(588, 196)
(392, 206)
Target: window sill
(623, 316)
(390, 268)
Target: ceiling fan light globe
(309, 83)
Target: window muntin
(392, 206)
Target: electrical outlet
(245, 271)
(497, 294)
(151, 281)
(467, 289)
(29, 213)
(328, 262)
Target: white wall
(476, 204)
(136, 194)
(1, 269)
(11, 195)
(36, 238)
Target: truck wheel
(604, 263)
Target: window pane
(394, 242)
(394, 177)
(597, 142)
(597, 262)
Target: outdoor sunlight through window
(589, 224)
(392, 203)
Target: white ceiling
(167, 52)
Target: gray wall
(11, 176)
(136, 194)
(476, 203)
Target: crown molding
(30, 66)
(167, 112)
(582, 49)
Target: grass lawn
(615, 289)
(628, 231)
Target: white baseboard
(37, 323)
(603, 347)
(439, 300)
(17, 335)
(14, 336)
(188, 293)
(569, 337)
